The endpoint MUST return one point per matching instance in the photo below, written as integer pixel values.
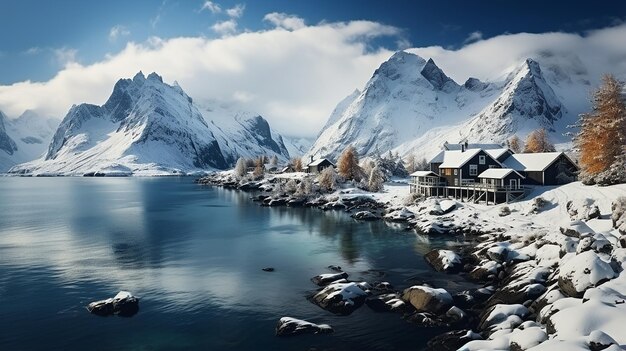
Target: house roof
(456, 159)
(454, 147)
(424, 174)
(318, 161)
(535, 162)
(498, 173)
(438, 158)
(495, 153)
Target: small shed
(319, 165)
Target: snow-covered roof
(318, 161)
(497, 173)
(438, 158)
(424, 174)
(495, 153)
(454, 147)
(535, 162)
(456, 159)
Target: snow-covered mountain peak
(6, 143)
(139, 77)
(437, 77)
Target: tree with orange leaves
(602, 137)
(537, 141)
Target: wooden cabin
(318, 165)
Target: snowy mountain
(297, 147)
(406, 97)
(411, 106)
(148, 127)
(24, 138)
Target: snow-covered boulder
(618, 215)
(427, 299)
(123, 304)
(452, 341)
(386, 303)
(597, 340)
(444, 261)
(504, 211)
(576, 229)
(583, 271)
(442, 207)
(288, 326)
(526, 338)
(365, 216)
(400, 215)
(341, 298)
(501, 317)
(325, 279)
(583, 211)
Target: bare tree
(240, 168)
(537, 141)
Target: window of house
(456, 181)
(473, 170)
(492, 166)
(456, 171)
(481, 159)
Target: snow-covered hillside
(24, 138)
(148, 127)
(411, 106)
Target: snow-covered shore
(552, 265)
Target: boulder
(268, 269)
(288, 326)
(622, 241)
(498, 253)
(123, 304)
(401, 215)
(576, 228)
(386, 303)
(325, 279)
(365, 216)
(598, 340)
(526, 338)
(500, 317)
(427, 299)
(341, 298)
(444, 261)
(504, 211)
(451, 341)
(583, 271)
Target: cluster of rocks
(124, 304)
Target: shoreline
(518, 262)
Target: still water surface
(194, 256)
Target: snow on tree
(376, 180)
(602, 138)
(422, 165)
(291, 186)
(411, 163)
(259, 168)
(515, 144)
(327, 179)
(348, 165)
(240, 168)
(274, 161)
(537, 141)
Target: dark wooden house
(544, 168)
(463, 166)
(318, 165)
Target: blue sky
(39, 37)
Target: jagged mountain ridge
(411, 106)
(406, 97)
(148, 127)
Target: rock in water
(123, 304)
(268, 269)
(342, 298)
(288, 326)
(427, 299)
(444, 261)
(325, 279)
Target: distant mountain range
(411, 106)
(148, 127)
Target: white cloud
(118, 31)
(65, 56)
(225, 27)
(473, 36)
(285, 21)
(211, 6)
(236, 11)
(296, 77)
(35, 50)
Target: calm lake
(193, 255)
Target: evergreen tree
(376, 180)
